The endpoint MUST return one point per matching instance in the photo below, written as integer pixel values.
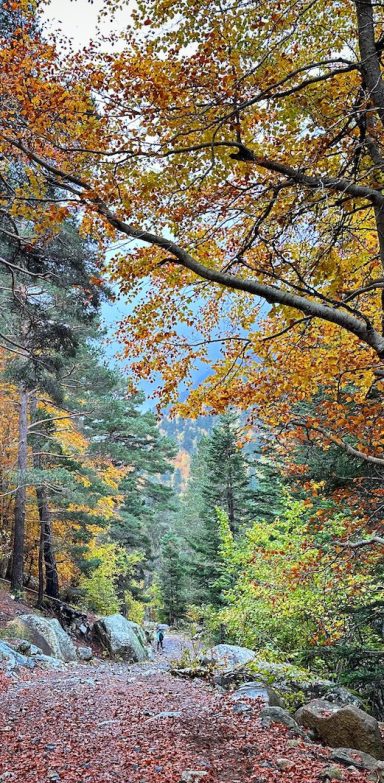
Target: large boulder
(44, 633)
(347, 727)
(122, 638)
(228, 656)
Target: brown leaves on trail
(99, 725)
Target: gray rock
(49, 662)
(122, 638)
(331, 773)
(241, 707)
(277, 715)
(356, 758)
(343, 696)
(258, 690)
(84, 653)
(347, 727)
(12, 658)
(228, 656)
(192, 776)
(165, 714)
(46, 634)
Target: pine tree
(172, 579)
(227, 477)
(222, 479)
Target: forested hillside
(215, 172)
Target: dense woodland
(232, 157)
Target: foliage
(291, 584)
(172, 580)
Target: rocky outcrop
(347, 727)
(228, 656)
(12, 659)
(46, 634)
(122, 638)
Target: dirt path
(103, 723)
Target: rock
(192, 776)
(28, 649)
(258, 690)
(84, 653)
(283, 763)
(331, 773)
(49, 662)
(277, 715)
(165, 714)
(342, 726)
(12, 658)
(228, 655)
(122, 638)
(46, 634)
(343, 696)
(356, 758)
(241, 708)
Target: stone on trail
(46, 634)
(258, 690)
(192, 776)
(347, 727)
(122, 638)
(331, 773)
(277, 715)
(166, 714)
(84, 653)
(228, 655)
(49, 662)
(356, 758)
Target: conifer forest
(191, 391)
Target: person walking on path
(159, 639)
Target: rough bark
(47, 560)
(17, 576)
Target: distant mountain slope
(186, 433)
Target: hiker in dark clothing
(160, 639)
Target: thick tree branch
(339, 442)
(363, 542)
(272, 294)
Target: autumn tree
(241, 147)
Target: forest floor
(102, 723)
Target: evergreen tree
(172, 579)
(221, 479)
(227, 475)
(46, 294)
(118, 431)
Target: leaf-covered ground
(98, 724)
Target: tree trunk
(46, 553)
(40, 594)
(20, 497)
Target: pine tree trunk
(40, 595)
(51, 574)
(46, 553)
(20, 497)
